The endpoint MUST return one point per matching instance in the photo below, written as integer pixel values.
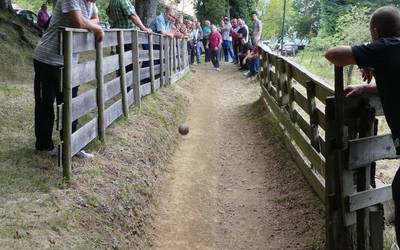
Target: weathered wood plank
(369, 198)
(315, 181)
(83, 136)
(369, 149)
(313, 156)
(100, 90)
(122, 70)
(145, 89)
(111, 89)
(302, 123)
(85, 72)
(302, 101)
(157, 83)
(113, 112)
(151, 60)
(83, 104)
(353, 104)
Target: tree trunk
(147, 10)
(6, 5)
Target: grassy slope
(108, 203)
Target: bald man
(379, 59)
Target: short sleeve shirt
(383, 56)
(160, 24)
(48, 49)
(226, 32)
(256, 29)
(119, 13)
(243, 32)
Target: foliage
(272, 17)
(242, 9)
(352, 27)
(305, 21)
(211, 10)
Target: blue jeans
(228, 51)
(254, 65)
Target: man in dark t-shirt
(379, 59)
(244, 50)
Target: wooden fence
(334, 141)
(162, 62)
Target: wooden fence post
(136, 68)
(151, 61)
(168, 59)
(366, 129)
(281, 79)
(162, 63)
(178, 44)
(67, 107)
(122, 71)
(290, 92)
(100, 91)
(174, 54)
(312, 106)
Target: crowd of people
(231, 39)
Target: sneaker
(217, 69)
(51, 153)
(84, 154)
(247, 73)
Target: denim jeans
(254, 65)
(228, 51)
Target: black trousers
(206, 50)
(215, 57)
(236, 49)
(47, 89)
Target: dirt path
(231, 185)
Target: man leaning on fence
(379, 59)
(47, 63)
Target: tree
(242, 9)
(147, 10)
(305, 22)
(211, 10)
(5, 5)
(272, 17)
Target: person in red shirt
(214, 45)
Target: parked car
(289, 49)
(28, 15)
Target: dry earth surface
(231, 184)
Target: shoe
(84, 154)
(251, 75)
(217, 69)
(242, 69)
(51, 153)
(246, 73)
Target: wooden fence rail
(334, 141)
(155, 61)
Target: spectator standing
(235, 38)
(196, 38)
(43, 17)
(122, 15)
(206, 33)
(257, 27)
(162, 24)
(214, 44)
(48, 63)
(227, 39)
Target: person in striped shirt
(48, 63)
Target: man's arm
(340, 56)
(80, 22)
(136, 20)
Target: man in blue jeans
(253, 61)
(227, 40)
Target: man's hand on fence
(367, 74)
(354, 90)
(99, 35)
